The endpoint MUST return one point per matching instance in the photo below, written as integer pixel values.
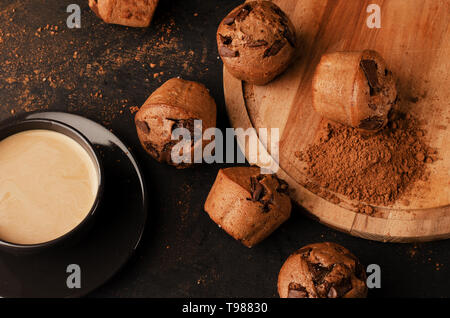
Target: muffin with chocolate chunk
(248, 205)
(176, 104)
(256, 42)
(354, 88)
(322, 270)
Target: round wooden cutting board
(414, 39)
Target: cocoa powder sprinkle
(376, 169)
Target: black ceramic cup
(82, 228)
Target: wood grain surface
(414, 39)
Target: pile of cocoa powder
(376, 169)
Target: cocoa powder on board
(376, 169)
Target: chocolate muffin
(322, 270)
(176, 104)
(248, 205)
(256, 42)
(354, 88)
(136, 13)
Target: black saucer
(108, 244)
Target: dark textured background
(102, 71)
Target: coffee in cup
(48, 185)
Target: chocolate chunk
(372, 106)
(284, 20)
(229, 20)
(127, 15)
(304, 251)
(256, 195)
(239, 15)
(370, 68)
(243, 13)
(341, 250)
(278, 11)
(226, 52)
(166, 153)
(184, 123)
(168, 147)
(371, 123)
(289, 35)
(341, 288)
(274, 49)
(292, 293)
(318, 272)
(332, 293)
(257, 189)
(257, 43)
(297, 294)
(283, 187)
(151, 149)
(266, 205)
(226, 40)
(285, 30)
(297, 291)
(414, 99)
(143, 126)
